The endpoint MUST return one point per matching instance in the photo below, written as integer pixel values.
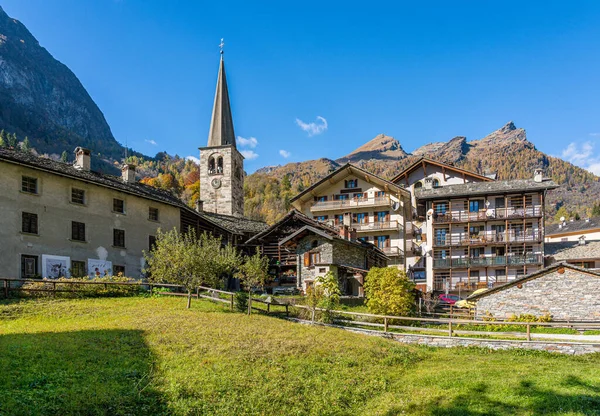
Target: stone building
(582, 253)
(320, 249)
(221, 164)
(573, 230)
(563, 291)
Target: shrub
(389, 292)
(324, 294)
(69, 287)
(241, 301)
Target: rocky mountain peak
(380, 147)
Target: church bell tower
(221, 164)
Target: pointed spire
(221, 124)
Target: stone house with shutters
(320, 249)
(563, 291)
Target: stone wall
(228, 198)
(573, 295)
(349, 255)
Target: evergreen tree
(2, 138)
(64, 157)
(596, 210)
(25, 146)
(11, 140)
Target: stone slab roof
(108, 181)
(292, 215)
(235, 224)
(485, 188)
(574, 226)
(532, 276)
(572, 250)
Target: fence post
(232, 301)
(313, 315)
(54, 289)
(450, 328)
(268, 308)
(6, 288)
(287, 313)
(528, 332)
(385, 324)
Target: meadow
(150, 355)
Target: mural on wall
(99, 268)
(54, 267)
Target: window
(29, 266)
(383, 241)
(29, 223)
(351, 183)
(380, 194)
(360, 195)
(441, 207)
(77, 231)
(321, 198)
(153, 214)
(339, 219)
(78, 196)
(322, 218)
(341, 197)
(500, 275)
(118, 205)
(151, 242)
(440, 236)
(382, 216)
(118, 270)
(476, 205)
(315, 258)
(418, 185)
(360, 218)
(563, 239)
(118, 238)
(500, 202)
(78, 269)
(322, 270)
(436, 183)
(29, 185)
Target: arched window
(211, 166)
(418, 185)
(220, 165)
(436, 183)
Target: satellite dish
(430, 212)
(424, 248)
(396, 206)
(562, 219)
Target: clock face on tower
(216, 183)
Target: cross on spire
(221, 45)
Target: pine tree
(2, 138)
(25, 146)
(11, 140)
(64, 157)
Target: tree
(324, 294)
(2, 138)
(562, 212)
(252, 273)
(596, 210)
(64, 157)
(389, 292)
(25, 146)
(11, 140)
(189, 261)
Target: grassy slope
(152, 356)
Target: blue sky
(418, 71)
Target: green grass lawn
(151, 356)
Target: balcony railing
(489, 261)
(487, 237)
(489, 214)
(376, 226)
(351, 203)
(392, 251)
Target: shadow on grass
(80, 372)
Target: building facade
(375, 208)
(573, 230)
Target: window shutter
(366, 218)
(306, 259)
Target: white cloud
(313, 128)
(251, 142)
(249, 154)
(193, 158)
(285, 153)
(583, 155)
(152, 142)
(595, 134)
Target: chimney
(345, 232)
(128, 173)
(82, 159)
(582, 240)
(428, 183)
(353, 234)
(199, 205)
(538, 175)
(347, 219)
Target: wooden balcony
(487, 261)
(487, 237)
(352, 203)
(376, 226)
(488, 214)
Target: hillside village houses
(452, 230)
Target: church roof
(221, 124)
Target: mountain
(506, 151)
(42, 99)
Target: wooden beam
(424, 167)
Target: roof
(114, 182)
(572, 250)
(221, 123)
(572, 227)
(485, 188)
(344, 171)
(531, 276)
(292, 215)
(325, 232)
(423, 160)
(234, 224)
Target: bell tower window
(219, 165)
(211, 166)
